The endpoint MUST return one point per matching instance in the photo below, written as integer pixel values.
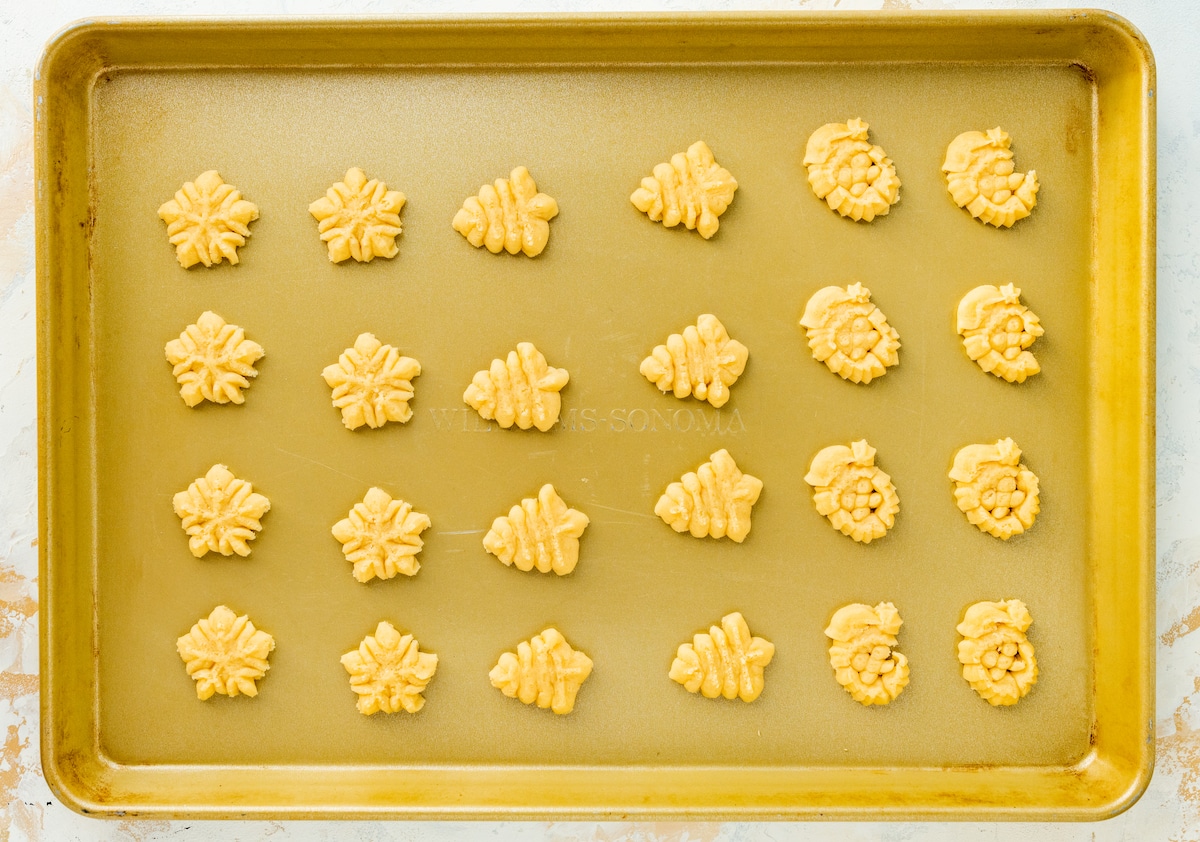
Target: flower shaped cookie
(389, 672)
(359, 218)
(997, 658)
(995, 491)
(220, 513)
(225, 654)
(862, 655)
(207, 221)
(858, 498)
(853, 176)
(213, 360)
(693, 189)
(381, 536)
(997, 330)
(850, 334)
(727, 661)
(372, 383)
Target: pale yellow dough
(509, 215)
(212, 361)
(856, 496)
(220, 513)
(995, 491)
(225, 654)
(540, 532)
(381, 536)
(852, 175)
(693, 189)
(359, 218)
(997, 657)
(389, 672)
(522, 389)
(702, 361)
(979, 174)
(726, 661)
(714, 501)
(850, 334)
(997, 330)
(207, 221)
(862, 653)
(372, 383)
(544, 670)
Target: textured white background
(1170, 809)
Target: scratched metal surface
(1167, 811)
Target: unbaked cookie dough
(856, 496)
(225, 654)
(862, 653)
(850, 334)
(995, 491)
(997, 657)
(693, 189)
(726, 661)
(544, 670)
(714, 501)
(372, 383)
(997, 330)
(853, 176)
(509, 215)
(207, 221)
(220, 513)
(389, 672)
(212, 361)
(522, 389)
(540, 532)
(702, 361)
(979, 174)
(381, 536)
(359, 218)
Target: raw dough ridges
(980, 177)
(997, 658)
(693, 189)
(212, 361)
(207, 221)
(225, 654)
(714, 501)
(702, 361)
(861, 653)
(359, 218)
(522, 389)
(540, 532)
(853, 176)
(544, 670)
(726, 661)
(389, 672)
(509, 215)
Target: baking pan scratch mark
(621, 511)
(320, 463)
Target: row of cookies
(225, 654)
(208, 220)
(214, 361)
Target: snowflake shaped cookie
(995, 491)
(997, 658)
(727, 661)
(544, 670)
(207, 221)
(862, 655)
(213, 360)
(381, 536)
(508, 215)
(850, 334)
(997, 331)
(372, 383)
(855, 177)
(980, 177)
(389, 671)
(702, 361)
(858, 498)
(225, 654)
(693, 189)
(220, 513)
(359, 218)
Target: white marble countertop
(1170, 809)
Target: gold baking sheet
(437, 108)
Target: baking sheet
(609, 287)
